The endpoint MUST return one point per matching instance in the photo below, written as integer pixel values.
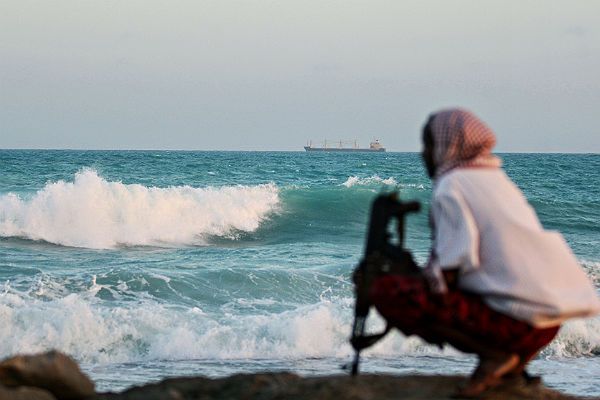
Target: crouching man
(498, 285)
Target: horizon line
(269, 151)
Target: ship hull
(343, 150)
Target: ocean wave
(97, 331)
(85, 327)
(578, 337)
(92, 212)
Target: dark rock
(54, 376)
(280, 386)
(25, 393)
(52, 371)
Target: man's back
(488, 229)
(491, 196)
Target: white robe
(484, 226)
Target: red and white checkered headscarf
(460, 139)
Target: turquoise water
(145, 264)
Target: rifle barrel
(355, 363)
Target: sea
(149, 264)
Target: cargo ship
(374, 146)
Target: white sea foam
(95, 213)
(377, 181)
(97, 331)
(373, 180)
(592, 268)
(576, 338)
(81, 325)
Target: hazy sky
(269, 75)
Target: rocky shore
(55, 376)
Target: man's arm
(456, 237)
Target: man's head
(457, 138)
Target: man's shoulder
(460, 178)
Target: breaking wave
(95, 331)
(94, 213)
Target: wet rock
(279, 386)
(52, 371)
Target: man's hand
(451, 278)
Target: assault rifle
(382, 256)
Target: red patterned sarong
(407, 304)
